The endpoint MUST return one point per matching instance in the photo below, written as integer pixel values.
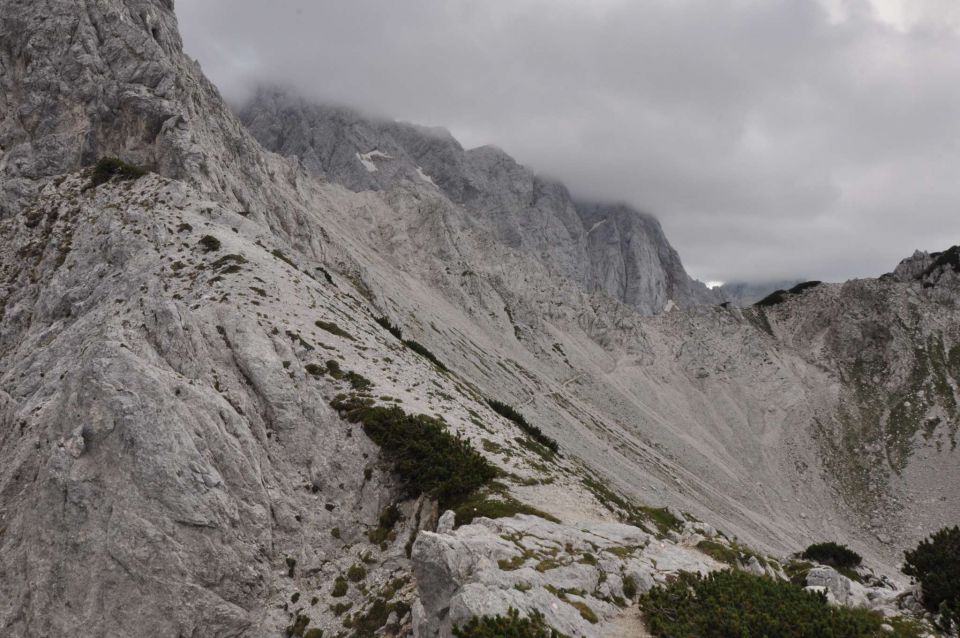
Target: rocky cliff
(613, 249)
(173, 348)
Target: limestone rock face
(613, 249)
(168, 454)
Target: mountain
(608, 248)
(237, 394)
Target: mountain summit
(608, 248)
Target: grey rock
(446, 522)
(835, 583)
(613, 249)
(163, 451)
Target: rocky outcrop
(613, 249)
(579, 576)
(625, 247)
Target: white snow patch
(669, 305)
(426, 177)
(367, 159)
(714, 284)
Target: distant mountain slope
(614, 249)
(744, 294)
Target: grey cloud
(771, 141)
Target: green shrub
(661, 517)
(423, 352)
(299, 626)
(333, 328)
(291, 566)
(209, 243)
(735, 604)
(276, 252)
(796, 290)
(508, 412)
(389, 517)
(392, 329)
(509, 626)
(950, 258)
(832, 554)
(585, 611)
(427, 458)
(356, 380)
(935, 564)
(314, 370)
(629, 587)
(313, 633)
(779, 296)
(110, 167)
(340, 587)
(774, 298)
(356, 573)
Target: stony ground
(170, 458)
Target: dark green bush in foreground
(509, 626)
(832, 554)
(428, 458)
(112, 167)
(935, 563)
(510, 413)
(733, 604)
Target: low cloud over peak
(770, 138)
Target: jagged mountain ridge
(610, 248)
(162, 436)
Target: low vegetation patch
(389, 517)
(774, 298)
(356, 380)
(370, 623)
(298, 627)
(428, 459)
(423, 352)
(935, 564)
(807, 285)
(662, 518)
(110, 167)
(779, 296)
(495, 506)
(396, 331)
(734, 604)
(279, 254)
(832, 554)
(510, 626)
(333, 328)
(511, 414)
(340, 587)
(209, 243)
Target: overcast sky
(773, 138)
